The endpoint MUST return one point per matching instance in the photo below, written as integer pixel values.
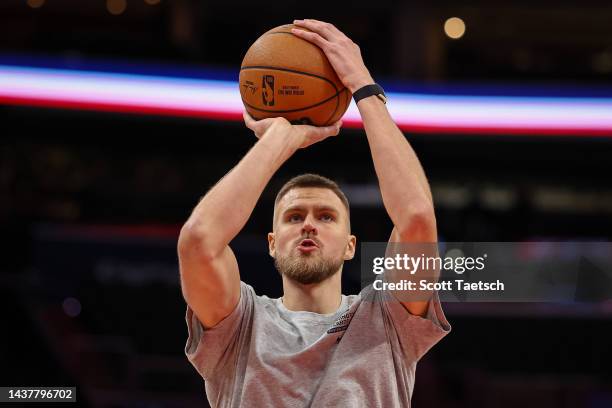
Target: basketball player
(313, 346)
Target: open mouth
(307, 246)
(307, 243)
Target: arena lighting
(116, 7)
(220, 99)
(454, 28)
(35, 3)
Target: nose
(308, 227)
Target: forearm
(404, 187)
(226, 208)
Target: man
(314, 346)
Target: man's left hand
(343, 54)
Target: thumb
(333, 130)
(324, 131)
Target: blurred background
(93, 193)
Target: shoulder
(262, 304)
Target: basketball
(284, 75)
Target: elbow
(419, 224)
(195, 242)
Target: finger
(316, 134)
(337, 126)
(331, 130)
(248, 120)
(254, 123)
(313, 37)
(325, 30)
(257, 126)
(334, 129)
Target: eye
(326, 217)
(294, 218)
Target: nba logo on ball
(267, 88)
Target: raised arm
(404, 187)
(210, 278)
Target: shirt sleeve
(416, 334)
(210, 349)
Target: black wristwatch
(370, 90)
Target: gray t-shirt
(264, 355)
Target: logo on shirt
(342, 323)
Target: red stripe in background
(97, 232)
(237, 116)
(118, 108)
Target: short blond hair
(314, 180)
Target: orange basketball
(284, 75)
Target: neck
(322, 298)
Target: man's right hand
(304, 135)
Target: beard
(307, 269)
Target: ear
(349, 252)
(271, 244)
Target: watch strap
(369, 90)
